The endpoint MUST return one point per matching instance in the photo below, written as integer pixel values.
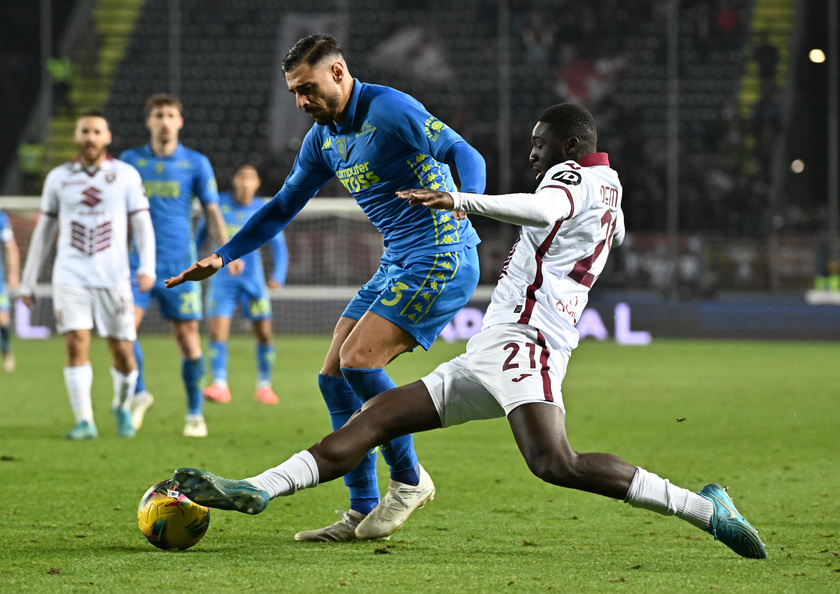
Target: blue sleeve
(280, 254)
(407, 121)
(205, 182)
(470, 166)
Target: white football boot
(342, 531)
(396, 507)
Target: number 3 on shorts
(397, 289)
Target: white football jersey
(546, 278)
(93, 206)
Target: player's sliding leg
(342, 403)
(407, 409)
(410, 486)
(539, 429)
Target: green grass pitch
(760, 417)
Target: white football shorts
(505, 366)
(79, 308)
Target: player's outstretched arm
(430, 198)
(197, 272)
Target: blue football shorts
(181, 303)
(419, 293)
(247, 290)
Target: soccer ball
(169, 520)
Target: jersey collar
(593, 159)
(76, 165)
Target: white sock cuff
(649, 491)
(124, 384)
(298, 472)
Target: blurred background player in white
(515, 366)
(90, 203)
(247, 289)
(9, 279)
(172, 175)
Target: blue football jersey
(388, 141)
(171, 183)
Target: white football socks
(298, 472)
(124, 385)
(649, 491)
(78, 381)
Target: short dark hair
(311, 50)
(162, 100)
(568, 119)
(92, 113)
(250, 165)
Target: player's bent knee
(553, 467)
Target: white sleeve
(42, 238)
(144, 238)
(546, 207)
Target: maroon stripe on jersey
(546, 379)
(531, 291)
(568, 195)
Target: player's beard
(91, 154)
(330, 111)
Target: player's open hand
(145, 283)
(197, 272)
(430, 198)
(28, 300)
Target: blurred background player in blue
(9, 279)
(248, 289)
(375, 140)
(172, 175)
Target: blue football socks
(361, 481)
(191, 373)
(4, 340)
(398, 453)
(138, 355)
(265, 362)
(218, 359)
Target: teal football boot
(205, 488)
(730, 527)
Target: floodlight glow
(817, 56)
